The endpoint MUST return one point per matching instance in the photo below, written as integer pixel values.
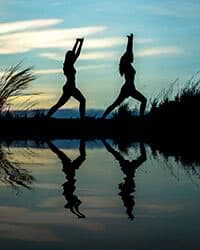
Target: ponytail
(122, 64)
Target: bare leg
(79, 97)
(63, 99)
(116, 103)
(138, 96)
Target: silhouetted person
(128, 89)
(69, 89)
(128, 168)
(69, 168)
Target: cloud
(89, 43)
(51, 38)
(26, 41)
(24, 36)
(88, 67)
(112, 41)
(98, 55)
(24, 25)
(48, 71)
(60, 71)
(84, 56)
(52, 56)
(157, 51)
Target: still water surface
(91, 195)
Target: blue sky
(167, 38)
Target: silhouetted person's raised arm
(128, 72)
(75, 46)
(70, 89)
(129, 48)
(69, 168)
(79, 44)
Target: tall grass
(176, 99)
(124, 112)
(13, 83)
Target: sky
(38, 33)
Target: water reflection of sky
(165, 202)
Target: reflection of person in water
(128, 89)
(69, 168)
(128, 168)
(69, 89)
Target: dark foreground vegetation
(147, 128)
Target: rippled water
(91, 195)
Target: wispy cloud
(25, 25)
(99, 55)
(157, 51)
(88, 67)
(107, 55)
(21, 37)
(84, 56)
(52, 56)
(58, 71)
(26, 41)
(48, 71)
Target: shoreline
(145, 128)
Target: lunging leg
(138, 96)
(63, 99)
(79, 97)
(116, 103)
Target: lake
(97, 195)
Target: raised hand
(130, 36)
(80, 39)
